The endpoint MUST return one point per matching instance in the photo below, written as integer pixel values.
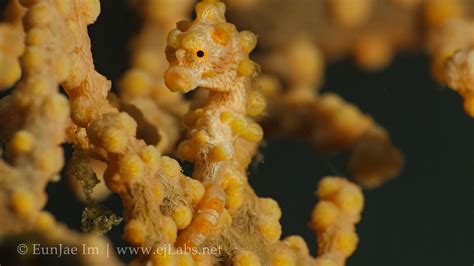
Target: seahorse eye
(200, 53)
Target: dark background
(424, 217)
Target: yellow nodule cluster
(22, 141)
(211, 10)
(182, 216)
(334, 217)
(136, 83)
(438, 11)
(248, 41)
(268, 223)
(135, 232)
(194, 190)
(256, 103)
(167, 255)
(23, 202)
(298, 244)
(246, 67)
(246, 258)
(168, 230)
(44, 221)
(240, 126)
(112, 132)
(325, 214)
(35, 138)
(163, 258)
(234, 189)
(11, 45)
(188, 150)
(373, 52)
(185, 260)
(349, 13)
(341, 123)
(270, 229)
(131, 167)
(460, 77)
(91, 10)
(10, 71)
(221, 152)
(192, 117)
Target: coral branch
(460, 76)
(11, 44)
(36, 115)
(48, 234)
(450, 29)
(334, 217)
(326, 120)
(143, 86)
(154, 192)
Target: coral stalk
(334, 218)
(37, 116)
(12, 45)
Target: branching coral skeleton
(121, 139)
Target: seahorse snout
(180, 79)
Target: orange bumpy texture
(127, 140)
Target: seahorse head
(207, 52)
